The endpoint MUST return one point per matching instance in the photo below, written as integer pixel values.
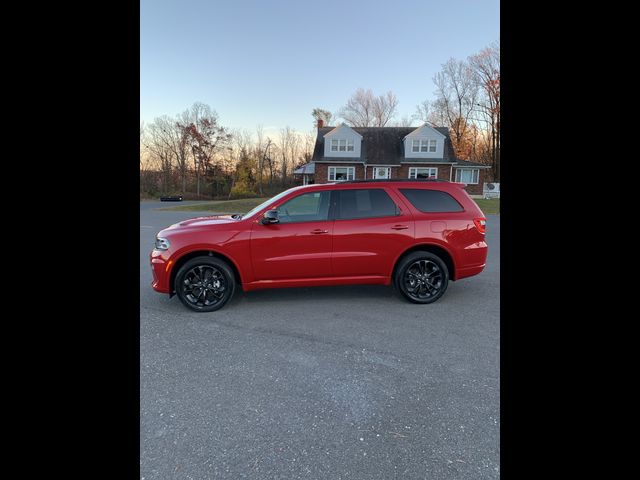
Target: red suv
(415, 234)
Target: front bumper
(161, 269)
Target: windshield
(254, 210)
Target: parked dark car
(171, 198)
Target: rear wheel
(421, 277)
(205, 284)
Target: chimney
(320, 123)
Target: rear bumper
(469, 271)
(160, 268)
(473, 260)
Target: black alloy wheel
(205, 284)
(422, 277)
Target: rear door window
(431, 201)
(364, 203)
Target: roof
(382, 146)
(466, 163)
(308, 168)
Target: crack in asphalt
(280, 333)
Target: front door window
(381, 172)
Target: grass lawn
(489, 206)
(221, 206)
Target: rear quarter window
(431, 201)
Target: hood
(204, 221)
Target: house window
(341, 174)
(467, 175)
(342, 145)
(415, 172)
(382, 172)
(423, 146)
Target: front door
(299, 245)
(381, 172)
(371, 229)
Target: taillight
(481, 224)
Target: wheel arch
(438, 250)
(185, 257)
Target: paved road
(332, 382)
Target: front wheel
(205, 284)
(422, 277)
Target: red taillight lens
(481, 224)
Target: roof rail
(377, 180)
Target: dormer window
(423, 145)
(342, 145)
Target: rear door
(299, 246)
(372, 226)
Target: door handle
(400, 227)
(318, 231)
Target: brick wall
(444, 173)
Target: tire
(421, 277)
(220, 284)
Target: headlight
(162, 243)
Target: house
(359, 153)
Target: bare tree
(456, 98)
(143, 148)
(404, 121)
(307, 145)
(423, 110)
(364, 109)
(288, 145)
(486, 68)
(384, 108)
(260, 151)
(320, 114)
(206, 138)
(159, 144)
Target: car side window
(308, 207)
(364, 203)
(431, 201)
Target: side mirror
(270, 216)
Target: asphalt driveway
(331, 382)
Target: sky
(271, 62)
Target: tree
(422, 112)
(244, 180)
(364, 109)
(456, 98)
(260, 153)
(159, 144)
(308, 144)
(288, 145)
(205, 138)
(320, 114)
(404, 121)
(486, 68)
